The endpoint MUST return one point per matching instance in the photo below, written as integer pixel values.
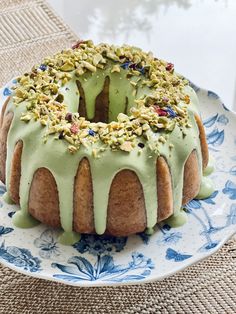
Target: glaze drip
(100, 96)
(103, 170)
(82, 110)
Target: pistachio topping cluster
(160, 110)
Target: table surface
(198, 36)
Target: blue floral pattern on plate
(176, 256)
(19, 257)
(104, 269)
(5, 230)
(102, 260)
(47, 245)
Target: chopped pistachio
(97, 58)
(69, 139)
(44, 102)
(138, 131)
(112, 56)
(115, 68)
(122, 117)
(134, 84)
(72, 149)
(162, 139)
(126, 146)
(26, 117)
(68, 66)
(94, 153)
(179, 110)
(88, 66)
(145, 127)
(79, 71)
(43, 122)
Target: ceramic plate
(101, 261)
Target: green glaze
(178, 219)
(149, 231)
(210, 167)
(206, 188)
(69, 238)
(92, 84)
(63, 165)
(22, 219)
(6, 197)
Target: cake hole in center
(103, 109)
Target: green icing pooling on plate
(68, 238)
(6, 197)
(164, 128)
(210, 167)
(206, 188)
(178, 219)
(22, 219)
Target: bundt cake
(102, 139)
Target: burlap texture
(29, 30)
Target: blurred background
(198, 36)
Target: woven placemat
(29, 30)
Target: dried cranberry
(169, 66)
(160, 112)
(77, 44)
(69, 116)
(74, 128)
